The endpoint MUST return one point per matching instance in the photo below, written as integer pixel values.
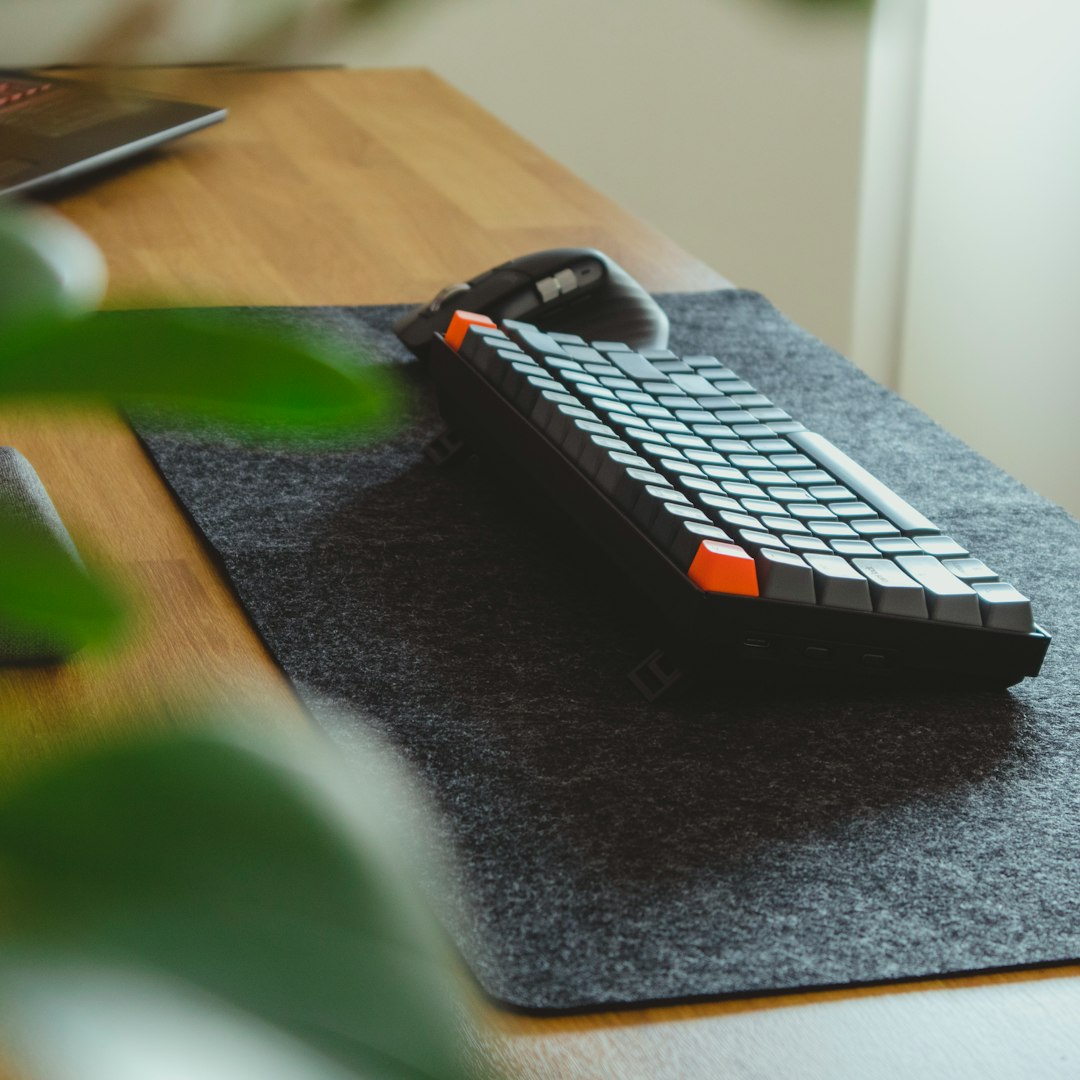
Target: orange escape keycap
(720, 567)
(459, 327)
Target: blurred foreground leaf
(202, 367)
(250, 875)
(68, 1021)
(47, 600)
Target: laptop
(54, 129)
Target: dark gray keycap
(655, 412)
(750, 461)
(686, 442)
(804, 543)
(560, 366)
(750, 431)
(851, 509)
(736, 519)
(761, 506)
(942, 547)
(630, 485)
(635, 397)
(969, 570)
(838, 584)
(529, 391)
(948, 599)
(680, 468)
(580, 431)
(867, 486)
(617, 382)
(480, 349)
(533, 339)
(669, 516)
(721, 472)
(649, 501)
(784, 524)
(514, 376)
(741, 490)
(693, 384)
(832, 493)
(731, 417)
(635, 366)
(809, 511)
(832, 530)
(768, 476)
(576, 379)
(896, 545)
(545, 409)
(705, 457)
(731, 385)
(1003, 607)
(499, 364)
(671, 427)
(657, 451)
(560, 424)
(608, 406)
(809, 477)
(601, 370)
(784, 575)
(596, 450)
(609, 474)
(595, 390)
(755, 539)
(893, 592)
(791, 461)
(851, 548)
(720, 502)
(871, 527)
(695, 484)
(687, 539)
(790, 494)
(584, 354)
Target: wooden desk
(343, 187)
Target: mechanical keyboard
(758, 540)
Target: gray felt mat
(728, 842)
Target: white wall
(733, 125)
(991, 332)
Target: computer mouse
(575, 290)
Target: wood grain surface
(349, 187)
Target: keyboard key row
(780, 514)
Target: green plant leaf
(250, 874)
(69, 1021)
(203, 367)
(50, 607)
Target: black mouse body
(575, 290)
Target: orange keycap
(459, 327)
(720, 567)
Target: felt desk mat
(728, 841)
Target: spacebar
(867, 486)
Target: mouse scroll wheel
(445, 294)
(556, 285)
